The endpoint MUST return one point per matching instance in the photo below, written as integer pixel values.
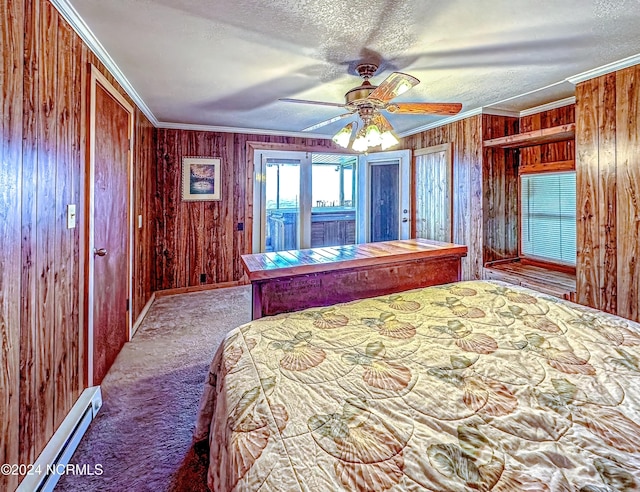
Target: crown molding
(546, 107)
(232, 129)
(72, 16)
(605, 69)
(500, 112)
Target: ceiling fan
(367, 101)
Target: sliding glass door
(303, 200)
(282, 204)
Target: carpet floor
(142, 435)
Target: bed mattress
(469, 386)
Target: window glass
(282, 199)
(332, 204)
(548, 216)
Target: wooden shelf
(557, 166)
(535, 137)
(558, 284)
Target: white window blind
(548, 216)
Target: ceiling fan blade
(395, 84)
(318, 103)
(424, 108)
(326, 122)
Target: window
(333, 212)
(548, 216)
(332, 180)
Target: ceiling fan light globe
(343, 137)
(373, 136)
(360, 144)
(388, 140)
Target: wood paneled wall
(608, 182)
(44, 69)
(11, 87)
(466, 136)
(553, 152)
(500, 191)
(195, 238)
(144, 159)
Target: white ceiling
(226, 63)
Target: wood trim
(199, 288)
(255, 145)
(519, 214)
(96, 77)
(548, 167)
(413, 198)
(142, 315)
(434, 148)
(548, 265)
(491, 264)
(535, 137)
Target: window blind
(548, 216)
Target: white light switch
(71, 216)
(139, 221)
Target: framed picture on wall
(201, 178)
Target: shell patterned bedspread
(468, 386)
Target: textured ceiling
(226, 63)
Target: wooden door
(384, 203)
(382, 210)
(432, 193)
(110, 220)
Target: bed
(476, 385)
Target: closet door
(433, 193)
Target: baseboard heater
(52, 462)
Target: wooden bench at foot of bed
(285, 281)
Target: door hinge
(127, 304)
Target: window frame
(532, 259)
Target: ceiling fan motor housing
(357, 96)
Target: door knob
(99, 252)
